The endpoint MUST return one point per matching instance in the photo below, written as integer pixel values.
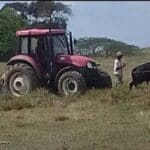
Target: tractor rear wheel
(20, 79)
(104, 80)
(70, 83)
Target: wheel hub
(19, 84)
(69, 86)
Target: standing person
(118, 68)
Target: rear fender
(28, 60)
(61, 71)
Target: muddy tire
(70, 83)
(20, 79)
(104, 80)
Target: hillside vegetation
(104, 46)
(116, 119)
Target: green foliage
(42, 12)
(9, 23)
(108, 46)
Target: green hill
(105, 46)
(146, 49)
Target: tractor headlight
(89, 65)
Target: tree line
(104, 46)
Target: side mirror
(75, 42)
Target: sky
(124, 21)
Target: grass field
(115, 119)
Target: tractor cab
(44, 45)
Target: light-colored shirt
(117, 63)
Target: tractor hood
(76, 60)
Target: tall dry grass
(42, 97)
(116, 119)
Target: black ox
(140, 74)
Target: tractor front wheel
(70, 83)
(104, 80)
(20, 79)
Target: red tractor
(46, 57)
